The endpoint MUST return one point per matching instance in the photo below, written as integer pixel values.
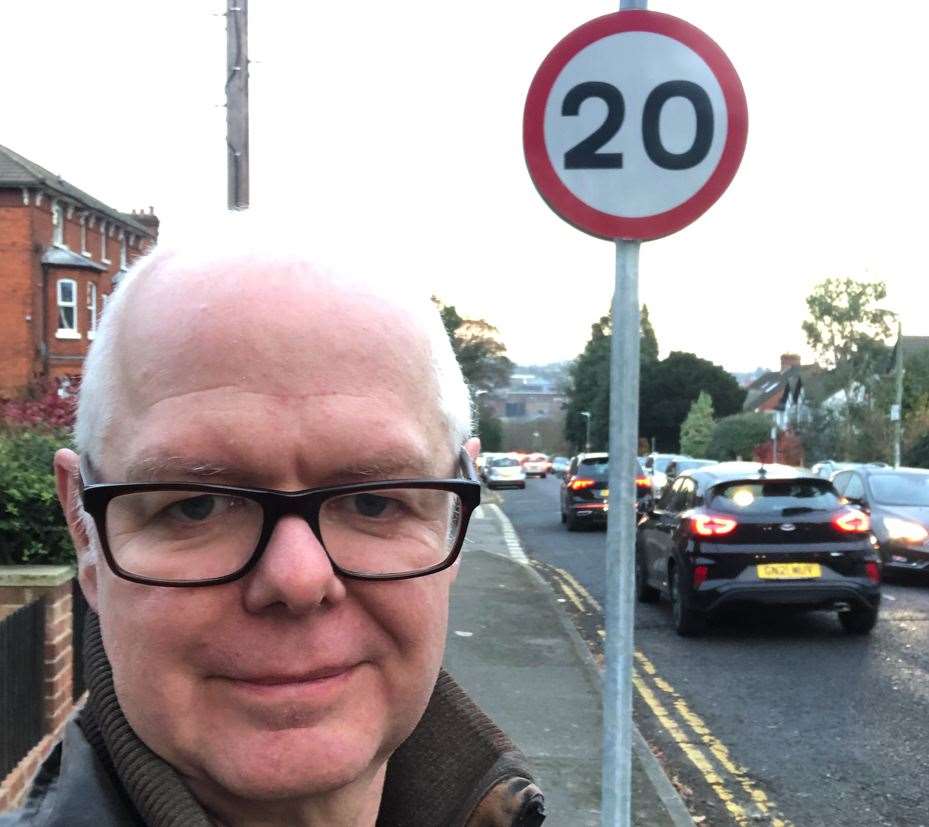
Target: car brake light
(700, 573)
(852, 521)
(642, 482)
(578, 484)
(711, 525)
(874, 573)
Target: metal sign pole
(616, 793)
(620, 551)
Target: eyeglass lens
(193, 535)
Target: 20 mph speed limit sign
(634, 125)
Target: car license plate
(604, 492)
(789, 571)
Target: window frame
(93, 313)
(58, 224)
(67, 332)
(103, 233)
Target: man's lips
(311, 687)
(283, 679)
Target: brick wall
(16, 294)
(27, 317)
(53, 587)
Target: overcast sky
(395, 130)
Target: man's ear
(473, 447)
(66, 483)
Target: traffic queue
(717, 535)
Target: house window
(103, 257)
(67, 309)
(58, 224)
(122, 251)
(91, 310)
(84, 250)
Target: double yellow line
(743, 799)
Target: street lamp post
(586, 415)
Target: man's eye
(374, 505)
(197, 509)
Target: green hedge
(32, 527)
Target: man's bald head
(246, 307)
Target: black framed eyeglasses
(192, 534)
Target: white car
(503, 472)
(536, 465)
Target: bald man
(273, 481)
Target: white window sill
(87, 253)
(91, 335)
(67, 334)
(105, 261)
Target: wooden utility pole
(237, 102)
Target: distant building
(527, 397)
(62, 252)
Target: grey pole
(586, 415)
(898, 369)
(620, 540)
(616, 781)
(237, 103)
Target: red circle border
(569, 206)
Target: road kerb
(664, 789)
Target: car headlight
(905, 530)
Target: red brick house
(61, 254)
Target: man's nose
(294, 571)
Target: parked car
(536, 465)
(897, 500)
(736, 533)
(484, 465)
(828, 468)
(505, 472)
(682, 463)
(560, 464)
(655, 467)
(585, 490)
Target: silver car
(504, 472)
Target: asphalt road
(770, 718)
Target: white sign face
(619, 156)
(635, 123)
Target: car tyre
(859, 620)
(687, 621)
(564, 519)
(571, 521)
(643, 592)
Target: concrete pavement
(518, 655)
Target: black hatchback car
(737, 533)
(585, 490)
(897, 500)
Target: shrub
(32, 527)
(737, 435)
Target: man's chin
(286, 765)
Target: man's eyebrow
(155, 468)
(171, 468)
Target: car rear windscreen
(504, 463)
(761, 497)
(901, 489)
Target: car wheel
(687, 622)
(523, 486)
(643, 592)
(543, 476)
(859, 620)
(571, 521)
(564, 519)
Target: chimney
(789, 360)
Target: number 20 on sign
(634, 125)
